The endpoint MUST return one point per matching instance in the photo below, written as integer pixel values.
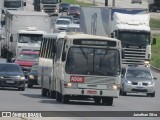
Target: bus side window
(59, 49)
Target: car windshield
(34, 68)
(63, 22)
(74, 8)
(28, 57)
(138, 73)
(12, 4)
(30, 38)
(9, 68)
(93, 61)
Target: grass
(81, 2)
(155, 23)
(155, 60)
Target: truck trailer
(130, 25)
(24, 30)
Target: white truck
(14, 5)
(130, 25)
(50, 6)
(24, 30)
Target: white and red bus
(82, 66)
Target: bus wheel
(97, 100)
(66, 98)
(58, 97)
(52, 94)
(107, 100)
(44, 92)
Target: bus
(81, 65)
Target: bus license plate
(91, 92)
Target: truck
(14, 5)
(49, 6)
(23, 31)
(77, 65)
(153, 5)
(130, 25)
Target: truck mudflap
(91, 92)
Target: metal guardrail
(155, 69)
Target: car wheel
(123, 92)
(58, 97)
(151, 94)
(97, 100)
(21, 88)
(29, 86)
(44, 92)
(66, 98)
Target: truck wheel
(97, 100)
(44, 92)
(58, 97)
(66, 99)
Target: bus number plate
(77, 79)
(91, 92)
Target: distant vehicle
(136, 1)
(26, 59)
(74, 10)
(153, 5)
(62, 24)
(73, 28)
(137, 80)
(63, 7)
(67, 17)
(11, 75)
(32, 76)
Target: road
(31, 100)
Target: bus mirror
(11, 38)
(112, 35)
(24, 4)
(63, 56)
(154, 41)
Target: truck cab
(14, 5)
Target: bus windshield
(93, 61)
(12, 4)
(134, 38)
(30, 38)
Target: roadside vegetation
(155, 61)
(80, 2)
(154, 23)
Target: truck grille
(134, 56)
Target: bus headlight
(70, 85)
(116, 87)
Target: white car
(73, 28)
(62, 24)
(136, 1)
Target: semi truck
(50, 6)
(23, 31)
(130, 25)
(14, 5)
(153, 5)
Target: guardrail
(155, 69)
